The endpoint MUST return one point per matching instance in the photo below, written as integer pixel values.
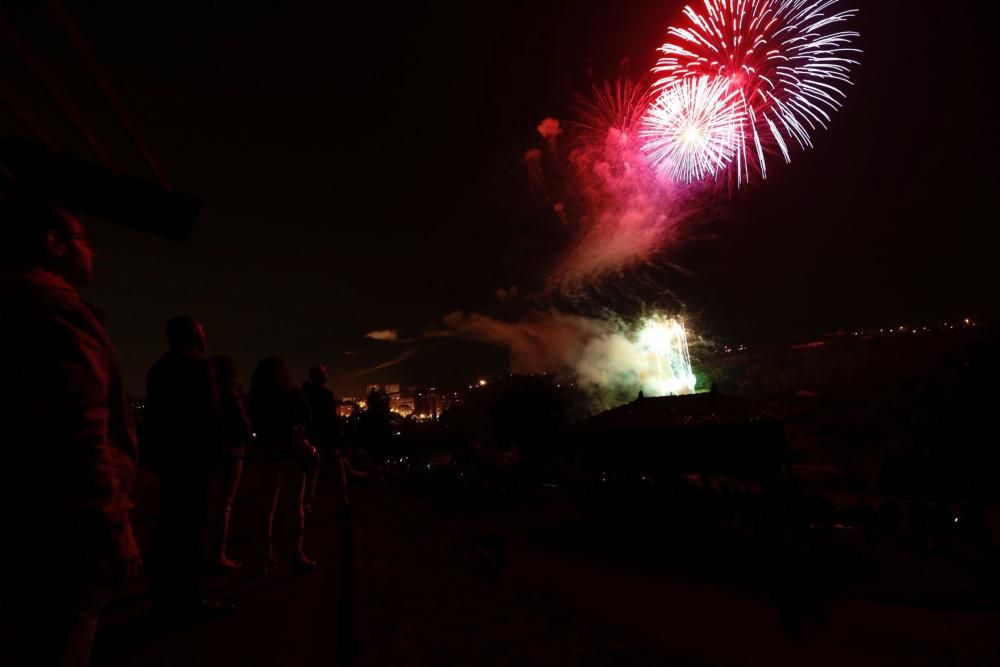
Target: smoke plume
(612, 362)
(385, 334)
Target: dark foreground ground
(408, 580)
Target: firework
(692, 129)
(786, 62)
(667, 371)
(612, 113)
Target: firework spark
(668, 371)
(691, 131)
(785, 61)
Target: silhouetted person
(322, 428)
(279, 414)
(67, 445)
(184, 422)
(236, 435)
(375, 425)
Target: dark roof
(674, 412)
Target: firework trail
(785, 62)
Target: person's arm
(71, 415)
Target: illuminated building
(348, 406)
(401, 404)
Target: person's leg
(55, 625)
(233, 473)
(80, 641)
(342, 466)
(195, 549)
(167, 566)
(300, 484)
(312, 478)
(274, 478)
(82, 628)
(181, 542)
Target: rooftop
(671, 412)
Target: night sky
(361, 168)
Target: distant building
(425, 402)
(446, 401)
(347, 406)
(401, 404)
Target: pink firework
(612, 113)
(786, 61)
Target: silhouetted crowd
(197, 427)
(70, 450)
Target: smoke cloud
(612, 362)
(623, 215)
(385, 334)
(404, 356)
(504, 294)
(550, 130)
